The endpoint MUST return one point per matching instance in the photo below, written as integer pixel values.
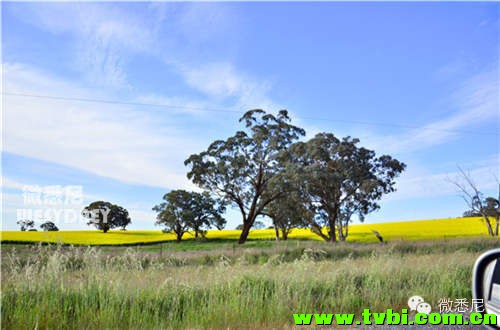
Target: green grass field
(408, 230)
(218, 284)
(65, 287)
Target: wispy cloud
(440, 184)
(102, 36)
(476, 102)
(105, 37)
(12, 184)
(222, 81)
(115, 141)
(118, 141)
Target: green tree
(26, 224)
(288, 212)
(244, 168)
(207, 213)
(105, 216)
(183, 210)
(49, 226)
(338, 178)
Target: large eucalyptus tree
(339, 179)
(245, 168)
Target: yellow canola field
(405, 230)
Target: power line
(80, 99)
(404, 126)
(202, 109)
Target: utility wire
(79, 99)
(158, 105)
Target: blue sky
(419, 81)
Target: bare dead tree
(488, 208)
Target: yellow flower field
(407, 230)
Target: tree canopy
(338, 179)
(288, 212)
(243, 168)
(26, 224)
(105, 216)
(49, 226)
(183, 210)
(265, 170)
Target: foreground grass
(71, 287)
(408, 230)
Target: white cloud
(118, 141)
(141, 218)
(476, 101)
(115, 141)
(12, 184)
(106, 36)
(223, 81)
(199, 23)
(440, 184)
(103, 36)
(14, 209)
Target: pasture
(255, 286)
(217, 283)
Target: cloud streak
(436, 185)
(103, 37)
(129, 145)
(115, 141)
(476, 102)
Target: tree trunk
(341, 234)
(196, 234)
(488, 225)
(244, 232)
(343, 231)
(247, 224)
(284, 234)
(317, 230)
(332, 221)
(497, 223)
(277, 233)
(332, 234)
(179, 237)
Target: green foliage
(26, 224)
(49, 226)
(339, 179)
(288, 212)
(245, 167)
(490, 207)
(324, 181)
(105, 216)
(183, 210)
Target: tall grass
(66, 287)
